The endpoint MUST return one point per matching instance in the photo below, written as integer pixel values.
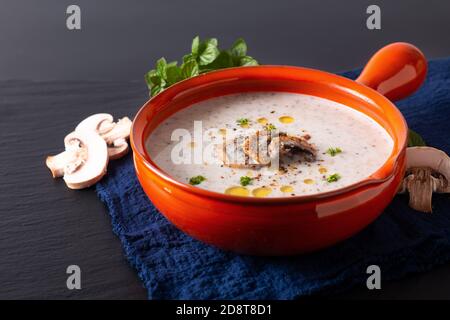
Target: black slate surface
(44, 227)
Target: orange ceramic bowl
(291, 225)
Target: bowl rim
(358, 89)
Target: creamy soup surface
(350, 146)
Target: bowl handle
(395, 71)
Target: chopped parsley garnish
(243, 122)
(196, 180)
(334, 151)
(270, 127)
(333, 178)
(245, 180)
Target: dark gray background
(122, 39)
(44, 227)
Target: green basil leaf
(211, 42)
(171, 64)
(155, 90)
(161, 67)
(223, 60)
(248, 61)
(189, 69)
(173, 73)
(195, 46)
(415, 140)
(205, 43)
(152, 77)
(188, 57)
(205, 56)
(148, 81)
(209, 54)
(239, 48)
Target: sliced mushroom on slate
(114, 133)
(83, 163)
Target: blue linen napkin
(401, 241)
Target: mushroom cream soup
(270, 144)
